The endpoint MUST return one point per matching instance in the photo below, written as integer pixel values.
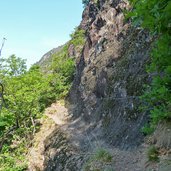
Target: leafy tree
(27, 93)
(77, 37)
(23, 91)
(13, 66)
(63, 69)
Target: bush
(27, 94)
(77, 37)
(148, 129)
(103, 155)
(155, 16)
(100, 160)
(153, 154)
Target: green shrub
(99, 161)
(155, 16)
(103, 155)
(63, 69)
(26, 94)
(148, 129)
(77, 37)
(153, 154)
(13, 159)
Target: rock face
(103, 102)
(110, 75)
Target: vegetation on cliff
(155, 16)
(26, 94)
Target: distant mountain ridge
(46, 59)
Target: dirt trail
(56, 115)
(63, 144)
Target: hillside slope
(47, 58)
(103, 102)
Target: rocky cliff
(103, 102)
(110, 74)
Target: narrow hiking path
(55, 115)
(63, 144)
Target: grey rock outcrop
(110, 74)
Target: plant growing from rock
(99, 161)
(153, 154)
(154, 16)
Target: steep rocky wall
(110, 74)
(104, 100)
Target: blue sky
(33, 27)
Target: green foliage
(99, 161)
(12, 66)
(13, 159)
(63, 66)
(77, 37)
(148, 129)
(155, 16)
(26, 95)
(22, 95)
(63, 69)
(96, 1)
(17, 122)
(153, 154)
(103, 155)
